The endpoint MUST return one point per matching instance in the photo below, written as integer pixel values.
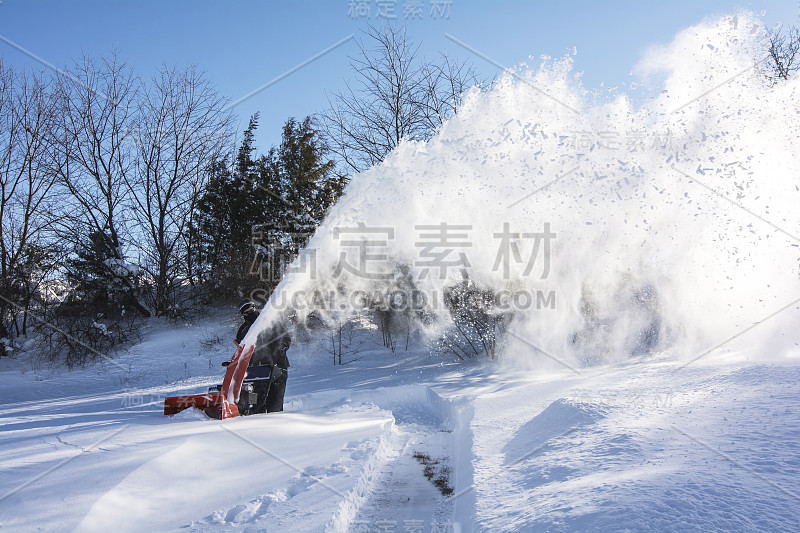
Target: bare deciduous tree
(98, 101)
(344, 338)
(395, 96)
(478, 326)
(783, 54)
(446, 81)
(27, 114)
(182, 128)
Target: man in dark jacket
(270, 350)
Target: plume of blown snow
(675, 221)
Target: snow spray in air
(612, 229)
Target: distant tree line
(121, 198)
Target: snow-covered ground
(646, 445)
(677, 242)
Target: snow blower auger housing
(233, 397)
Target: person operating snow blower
(270, 350)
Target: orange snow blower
(226, 400)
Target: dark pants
(270, 393)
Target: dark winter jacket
(244, 328)
(271, 344)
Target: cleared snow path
(406, 486)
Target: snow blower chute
(233, 397)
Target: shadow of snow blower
(234, 397)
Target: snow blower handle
(234, 376)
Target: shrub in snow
(476, 323)
(630, 324)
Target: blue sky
(242, 45)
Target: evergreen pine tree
(256, 215)
(102, 282)
(310, 187)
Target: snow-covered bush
(630, 324)
(477, 324)
(74, 339)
